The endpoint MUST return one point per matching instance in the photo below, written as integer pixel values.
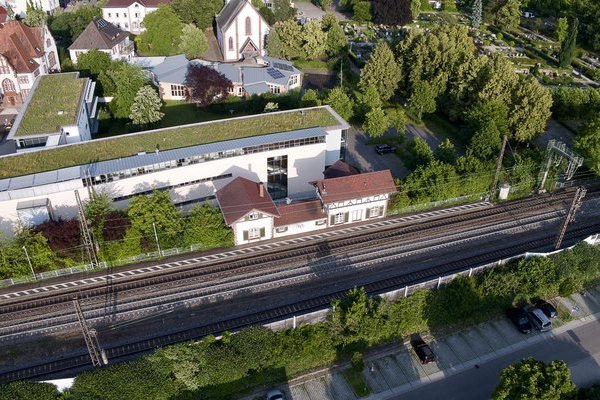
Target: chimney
(261, 189)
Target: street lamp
(29, 261)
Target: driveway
(307, 9)
(363, 156)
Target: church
(241, 31)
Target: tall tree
(336, 41)
(205, 225)
(93, 62)
(563, 29)
(477, 13)
(509, 14)
(283, 10)
(275, 47)
(568, 46)
(340, 102)
(163, 33)
(368, 100)
(70, 24)
(156, 211)
(422, 100)
(291, 36)
(446, 152)
(35, 17)
(205, 85)
(529, 110)
(532, 379)
(146, 106)
(127, 80)
(199, 13)
(381, 71)
(587, 143)
(193, 43)
(313, 39)
(376, 122)
(361, 10)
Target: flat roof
(167, 139)
(54, 101)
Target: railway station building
(285, 150)
(250, 211)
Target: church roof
(226, 16)
(99, 34)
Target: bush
(357, 362)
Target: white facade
(300, 227)
(248, 29)
(19, 7)
(253, 230)
(187, 181)
(129, 18)
(122, 51)
(16, 82)
(356, 210)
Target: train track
(127, 351)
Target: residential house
(105, 37)
(241, 30)
(19, 7)
(262, 75)
(129, 14)
(60, 109)
(25, 54)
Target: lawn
(54, 103)
(312, 64)
(164, 139)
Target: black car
(520, 319)
(547, 308)
(384, 148)
(423, 351)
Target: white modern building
(60, 109)
(249, 210)
(19, 7)
(105, 37)
(130, 14)
(25, 54)
(205, 158)
(241, 30)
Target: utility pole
(156, 237)
(498, 168)
(97, 355)
(579, 195)
(341, 73)
(85, 232)
(29, 261)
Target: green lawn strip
(312, 64)
(54, 103)
(124, 146)
(357, 382)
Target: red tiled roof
(20, 44)
(127, 3)
(300, 212)
(3, 15)
(241, 196)
(355, 186)
(339, 169)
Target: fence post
(439, 282)
(294, 322)
(405, 291)
(470, 272)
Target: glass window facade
(277, 172)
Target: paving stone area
(401, 370)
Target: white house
(19, 7)
(241, 30)
(60, 109)
(25, 54)
(105, 37)
(129, 14)
(205, 158)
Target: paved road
(579, 347)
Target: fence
(320, 315)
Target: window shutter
(381, 211)
(332, 220)
(346, 216)
(245, 235)
(367, 213)
(262, 232)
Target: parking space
(476, 342)
(494, 338)
(460, 347)
(445, 356)
(393, 374)
(317, 389)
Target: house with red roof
(25, 53)
(129, 14)
(350, 198)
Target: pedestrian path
(398, 370)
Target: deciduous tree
(340, 102)
(422, 100)
(313, 39)
(446, 152)
(146, 106)
(205, 85)
(283, 10)
(163, 33)
(93, 62)
(509, 14)
(376, 122)
(205, 225)
(362, 10)
(532, 380)
(199, 13)
(127, 79)
(336, 41)
(587, 143)
(193, 43)
(381, 71)
(36, 17)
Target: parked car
(547, 308)
(384, 148)
(538, 319)
(520, 319)
(423, 351)
(275, 394)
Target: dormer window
(253, 216)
